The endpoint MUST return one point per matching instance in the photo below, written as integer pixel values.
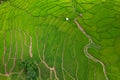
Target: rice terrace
(59, 39)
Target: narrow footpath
(87, 54)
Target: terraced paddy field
(60, 40)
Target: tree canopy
(30, 69)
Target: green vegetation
(30, 69)
(38, 43)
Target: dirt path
(76, 61)
(10, 52)
(62, 64)
(42, 59)
(87, 54)
(30, 44)
(30, 47)
(21, 46)
(4, 49)
(16, 51)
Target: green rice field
(59, 39)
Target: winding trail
(87, 54)
(15, 55)
(74, 56)
(30, 44)
(42, 59)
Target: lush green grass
(3, 78)
(59, 42)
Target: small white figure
(67, 19)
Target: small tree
(30, 69)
